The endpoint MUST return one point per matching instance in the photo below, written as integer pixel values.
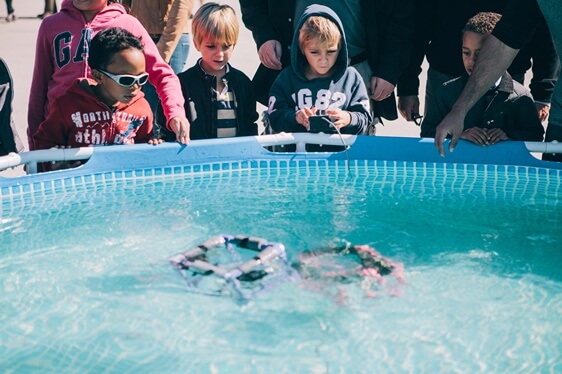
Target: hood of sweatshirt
(105, 15)
(298, 59)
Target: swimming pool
(86, 284)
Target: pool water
(86, 285)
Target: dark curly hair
(107, 43)
(482, 23)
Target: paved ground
(17, 47)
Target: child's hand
(339, 117)
(302, 116)
(543, 111)
(155, 141)
(496, 135)
(481, 136)
(180, 126)
(476, 135)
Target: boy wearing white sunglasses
(110, 110)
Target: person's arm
(395, 42)
(409, 82)
(255, 15)
(493, 60)
(178, 18)
(166, 82)
(42, 72)
(546, 66)
(516, 27)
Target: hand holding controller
(321, 123)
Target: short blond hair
(215, 21)
(319, 28)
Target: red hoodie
(80, 119)
(62, 56)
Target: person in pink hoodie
(62, 56)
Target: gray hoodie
(344, 89)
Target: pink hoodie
(62, 56)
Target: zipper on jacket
(236, 113)
(488, 123)
(213, 114)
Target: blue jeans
(177, 63)
(9, 7)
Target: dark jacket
(198, 92)
(7, 142)
(510, 108)
(545, 64)
(389, 40)
(269, 20)
(438, 37)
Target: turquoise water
(85, 284)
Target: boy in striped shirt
(219, 99)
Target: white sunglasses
(126, 80)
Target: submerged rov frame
(246, 278)
(195, 260)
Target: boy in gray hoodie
(319, 80)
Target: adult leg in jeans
(9, 6)
(177, 63)
(179, 57)
(11, 16)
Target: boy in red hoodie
(62, 53)
(110, 110)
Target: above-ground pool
(86, 285)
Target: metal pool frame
(247, 149)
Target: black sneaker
(44, 15)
